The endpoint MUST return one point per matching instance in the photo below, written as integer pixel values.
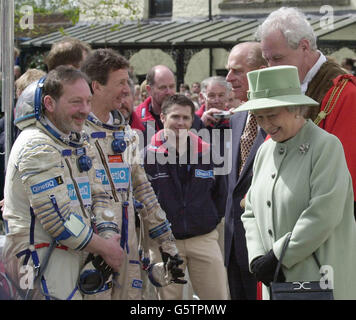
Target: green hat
(274, 87)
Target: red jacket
(136, 123)
(200, 111)
(341, 122)
(143, 112)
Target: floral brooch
(303, 148)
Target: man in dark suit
(246, 139)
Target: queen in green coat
(301, 187)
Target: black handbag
(298, 290)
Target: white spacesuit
(124, 178)
(52, 198)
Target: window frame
(154, 14)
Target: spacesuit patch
(115, 159)
(84, 189)
(46, 185)
(137, 283)
(120, 174)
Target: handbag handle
(285, 245)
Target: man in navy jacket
(180, 168)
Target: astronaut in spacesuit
(123, 176)
(53, 200)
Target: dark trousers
(242, 284)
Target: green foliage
(47, 5)
(37, 62)
(117, 10)
(97, 11)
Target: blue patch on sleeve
(46, 185)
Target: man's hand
(109, 249)
(208, 118)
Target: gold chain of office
(329, 107)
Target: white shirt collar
(111, 119)
(312, 72)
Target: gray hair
(299, 110)
(214, 80)
(254, 57)
(293, 25)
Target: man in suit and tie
(246, 139)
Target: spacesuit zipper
(107, 169)
(76, 189)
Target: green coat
(303, 187)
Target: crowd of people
(123, 188)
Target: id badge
(74, 225)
